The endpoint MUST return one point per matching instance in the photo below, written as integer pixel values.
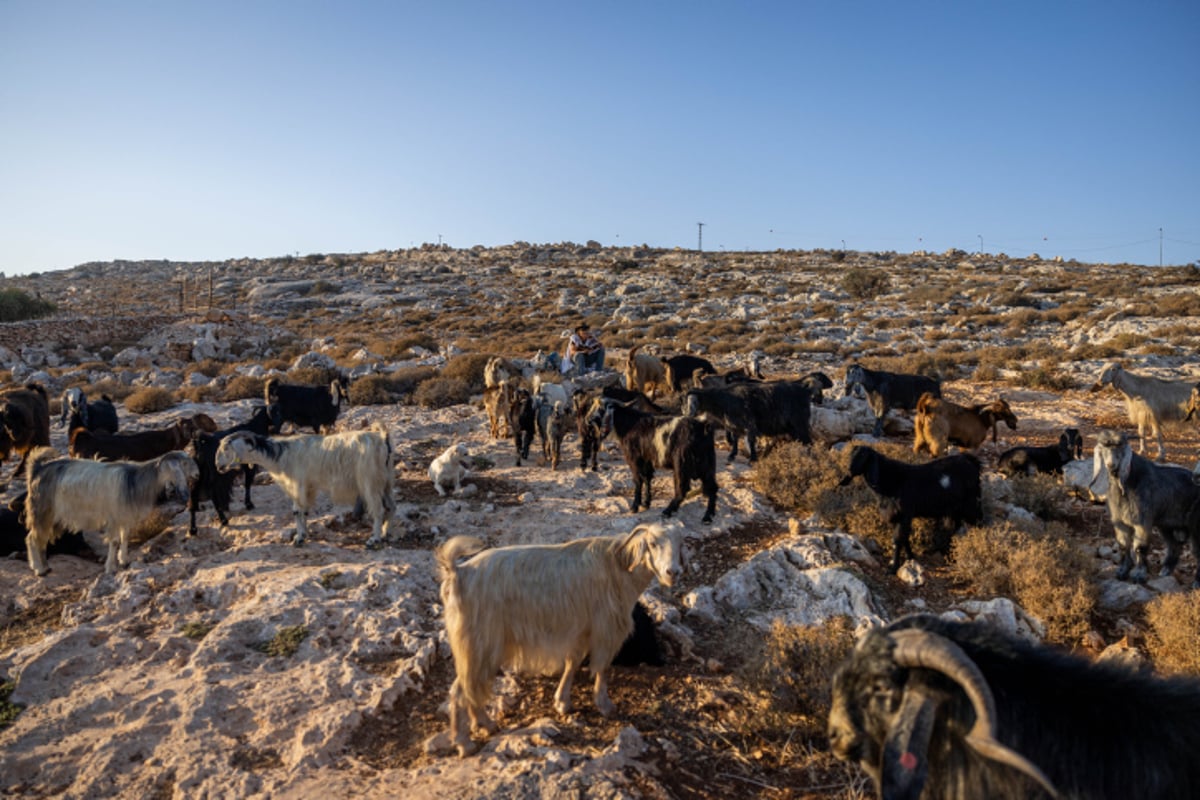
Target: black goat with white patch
(945, 488)
(945, 710)
(589, 445)
(1049, 458)
(315, 407)
(886, 390)
(681, 370)
(213, 484)
(94, 415)
(775, 408)
(522, 420)
(682, 444)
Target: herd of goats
(930, 708)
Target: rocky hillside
(231, 664)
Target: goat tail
(926, 403)
(453, 550)
(39, 457)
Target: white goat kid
(349, 466)
(77, 494)
(450, 468)
(1149, 401)
(541, 608)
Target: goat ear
(905, 766)
(1126, 463)
(634, 547)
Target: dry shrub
(1173, 642)
(794, 477)
(440, 391)
(1041, 495)
(1045, 376)
(790, 673)
(198, 394)
(467, 368)
(1043, 572)
(865, 284)
(149, 400)
(243, 387)
(109, 386)
(385, 389)
(209, 368)
(313, 376)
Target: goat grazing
(541, 608)
(644, 373)
(945, 488)
(313, 407)
(450, 468)
(552, 422)
(1030, 460)
(886, 390)
(1143, 496)
(213, 484)
(75, 494)
(1150, 402)
(352, 466)
(940, 423)
(139, 446)
(682, 444)
(946, 710)
(24, 423)
(95, 415)
(773, 408)
(522, 419)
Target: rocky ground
(232, 664)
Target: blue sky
(213, 130)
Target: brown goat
(940, 423)
(140, 446)
(24, 422)
(496, 400)
(644, 373)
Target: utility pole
(700, 236)
(1160, 247)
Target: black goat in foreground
(213, 484)
(589, 445)
(945, 710)
(1049, 458)
(522, 421)
(945, 488)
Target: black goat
(522, 418)
(945, 488)
(886, 390)
(552, 428)
(213, 484)
(775, 408)
(1050, 458)
(817, 383)
(682, 444)
(682, 369)
(589, 445)
(13, 533)
(316, 407)
(641, 646)
(95, 415)
(947, 710)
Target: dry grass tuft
(1173, 642)
(789, 674)
(1048, 576)
(467, 368)
(244, 387)
(440, 391)
(313, 376)
(149, 400)
(1042, 495)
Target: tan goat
(940, 423)
(644, 373)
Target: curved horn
(922, 649)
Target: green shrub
(8, 710)
(285, 643)
(16, 305)
(865, 284)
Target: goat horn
(918, 648)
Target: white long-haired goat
(84, 495)
(349, 466)
(1149, 401)
(540, 608)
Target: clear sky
(211, 130)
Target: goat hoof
(706, 520)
